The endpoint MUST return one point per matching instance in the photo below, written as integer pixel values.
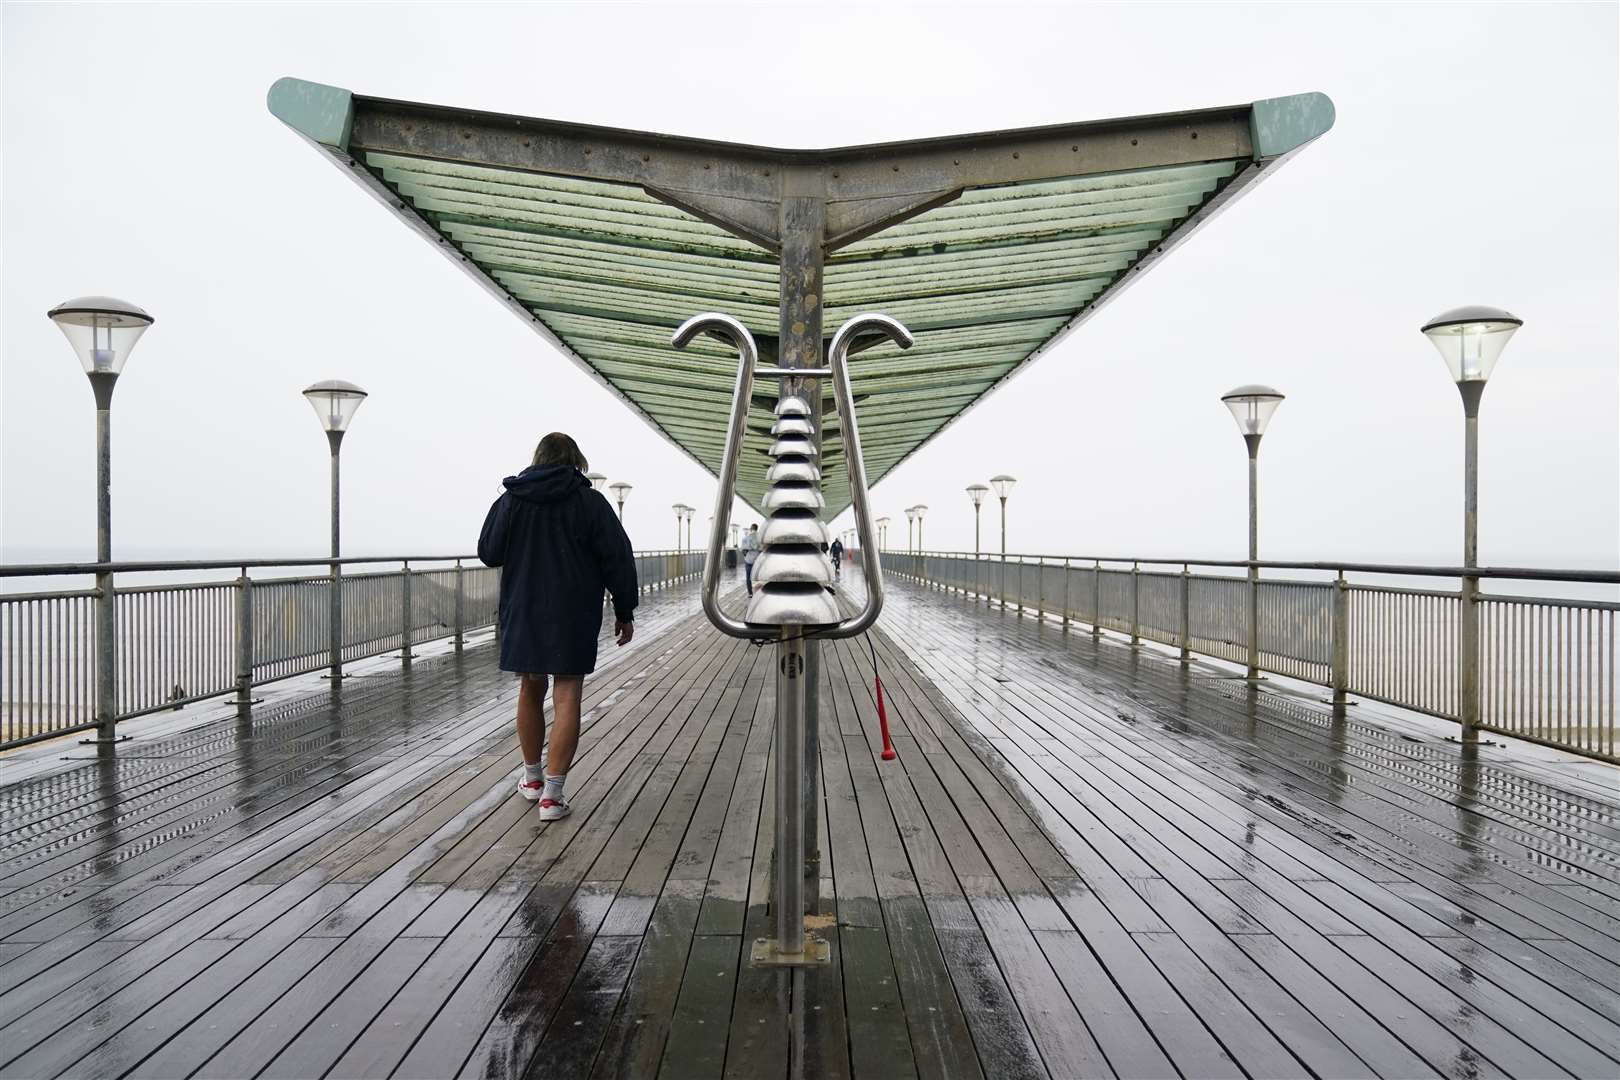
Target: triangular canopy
(988, 247)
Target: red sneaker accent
(531, 791)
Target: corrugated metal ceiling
(982, 282)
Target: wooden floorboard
(1087, 860)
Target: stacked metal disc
(793, 574)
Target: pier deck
(1087, 860)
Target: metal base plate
(765, 954)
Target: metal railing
(179, 642)
(1545, 668)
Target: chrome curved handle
(748, 357)
(838, 362)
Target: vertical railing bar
(406, 620)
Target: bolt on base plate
(765, 954)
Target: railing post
(1040, 590)
(1186, 612)
(1096, 598)
(1136, 592)
(1065, 594)
(405, 655)
(106, 660)
(1254, 622)
(1340, 676)
(1468, 695)
(244, 646)
(1020, 585)
(334, 622)
(461, 607)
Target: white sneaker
(552, 810)
(530, 791)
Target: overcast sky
(1474, 161)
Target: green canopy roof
(987, 247)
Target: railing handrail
(1519, 573)
(143, 567)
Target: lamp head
(101, 329)
(977, 492)
(1252, 406)
(1471, 339)
(1002, 485)
(334, 402)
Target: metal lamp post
(679, 509)
(620, 490)
(689, 513)
(976, 492)
(883, 533)
(922, 560)
(598, 481)
(103, 331)
(911, 529)
(335, 402)
(1252, 407)
(1003, 486)
(1470, 340)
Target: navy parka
(559, 545)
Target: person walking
(559, 545)
(750, 552)
(837, 553)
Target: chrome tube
(838, 361)
(742, 394)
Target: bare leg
(565, 696)
(531, 720)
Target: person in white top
(750, 552)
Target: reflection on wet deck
(1086, 861)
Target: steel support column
(802, 228)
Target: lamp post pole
(976, 492)
(335, 402)
(1470, 340)
(1003, 485)
(1251, 407)
(335, 593)
(102, 331)
(620, 490)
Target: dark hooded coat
(559, 545)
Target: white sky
(1474, 161)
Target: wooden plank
(697, 1044)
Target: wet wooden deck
(1086, 861)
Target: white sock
(534, 774)
(554, 788)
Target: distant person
(837, 553)
(750, 552)
(560, 545)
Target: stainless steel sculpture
(794, 601)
